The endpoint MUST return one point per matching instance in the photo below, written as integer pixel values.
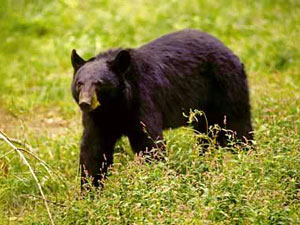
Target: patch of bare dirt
(7, 120)
(41, 121)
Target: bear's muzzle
(88, 101)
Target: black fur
(155, 84)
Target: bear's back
(186, 43)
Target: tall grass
(259, 186)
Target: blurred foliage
(261, 186)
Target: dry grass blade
(37, 197)
(16, 141)
(30, 152)
(4, 155)
(2, 136)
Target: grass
(261, 186)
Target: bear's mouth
(88, 102)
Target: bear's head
(99, 80)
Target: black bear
(125, 91)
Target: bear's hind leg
(242, 129)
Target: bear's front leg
(146, 135)
(96, 152)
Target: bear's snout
(88, 101)
(85, 106)
(85, 101)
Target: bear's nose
(85, 101)
(85, 106)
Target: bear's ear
(76, 60)
(121, 62)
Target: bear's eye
(79, 85)
(99, 82)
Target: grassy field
(261, 186)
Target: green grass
(261, 186)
